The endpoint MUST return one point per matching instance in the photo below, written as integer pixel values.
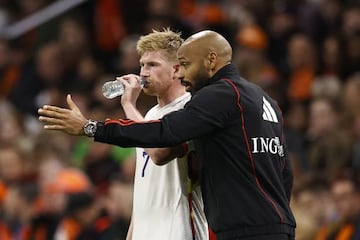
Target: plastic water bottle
(113, 89)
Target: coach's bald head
(212, 46)
(206, 52)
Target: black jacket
(238, 134)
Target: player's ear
(176, 68)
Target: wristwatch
(90, 128)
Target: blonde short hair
(165, 40)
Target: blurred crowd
(304, 53)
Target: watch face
(90, 129)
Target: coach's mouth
(186, 84)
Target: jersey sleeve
(205, 112)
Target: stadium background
(304, 53)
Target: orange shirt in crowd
(345, 232)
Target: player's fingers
(127, 76)
(131, 79)
(124, 81)
(50, 113)
(71, 103)
(48, 120)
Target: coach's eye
(184, 64)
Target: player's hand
(132, 89)
(69, 120)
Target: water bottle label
(112, 89)
(116, 88)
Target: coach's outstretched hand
(70, 120)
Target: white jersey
(161, 207)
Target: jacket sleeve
(207, 111)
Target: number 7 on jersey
(146, 158)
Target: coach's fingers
(54, 108)
(71, 103)
(54, 127)
(49, 120)
(50, 113)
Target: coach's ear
(212, 60)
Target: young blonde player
(161, 206)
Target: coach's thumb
(71, 103)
